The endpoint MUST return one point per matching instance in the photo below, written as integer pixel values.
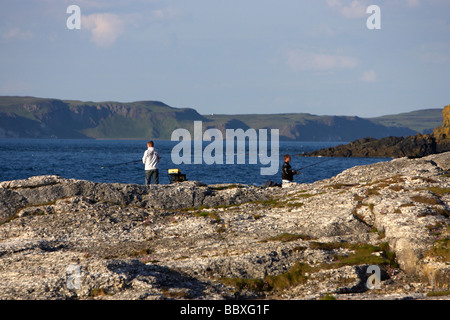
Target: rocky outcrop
(72, 239)
(37, 191)
(419, 145)
(442, 133)
(390, 147)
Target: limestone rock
(73, 239)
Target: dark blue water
(101, 161)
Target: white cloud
(412, 3)
(104, 27)
(16, 33)
(355, 10)
(300, 60)
(369, 76)
(167, 13)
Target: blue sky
(231, 57)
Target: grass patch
(372, 192)
(97, 292)
(294, 205)
(227, 206)
(363, 254)
(175, 294)
(327, 245)
(140, 253)
(439, 191)
(295, 276)
(277, 203)
(328, 297)
(303, 195)
(206, 214)
(442, 212)
(339, 186)
(240, 284)
(286, 237)
(438, 293)
(425, 179)
(396, 188)
(404, 205)
(440, 249)
(225, 187)
(426, 200)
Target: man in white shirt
(151, 160)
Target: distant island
(31, 117)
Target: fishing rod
(122, 163)
(315, 164)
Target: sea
(119, 161)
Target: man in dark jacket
(287, 174)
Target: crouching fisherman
(287, 173)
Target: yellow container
(174, 171)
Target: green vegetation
(175, 294)
(438, 293)
(206, 214)
(241, 284)
(364, 255)
(298, 273)
(426, 200)
(141, 252)
(328, 297)
(439, 191)
(97, 292)
(293, 277)
(372, 192)
(422, 121)
(225, 187)
(278, 203)
(286, 237)
(341, 186)
(440, 249)
(327, 245)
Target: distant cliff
(30, 117)
(418, 145)
(308, 127)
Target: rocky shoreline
(416, 146)
(72, 239)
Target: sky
(229, 56)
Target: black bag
(270, 184)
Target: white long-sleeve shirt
(151, 159)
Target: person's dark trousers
(152, 175)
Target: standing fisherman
(151, 160)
